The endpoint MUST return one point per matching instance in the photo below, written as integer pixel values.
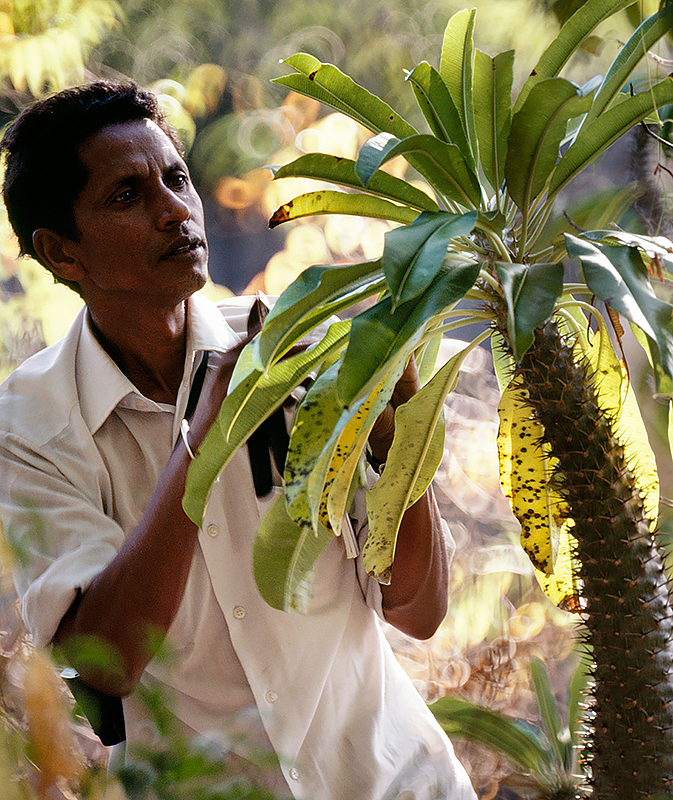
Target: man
(91, 457)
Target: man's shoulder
(39, 394)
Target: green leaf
(413, 254)
(315, 422)
(571, 35)
(593, 139)
(531, 291)
(452, 175)
(536, 133)
(549, 712)
(378, 333)
(328, 84)
(283, 554)
(313, 297)
(629, 56)
(335, 169)
(327, 201)
(243, 410)
(413, 459)
(456, 69)
(521, 743)
(658, 247)
(493, 111)
(437, 105)
(618, 276)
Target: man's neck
(149, 350)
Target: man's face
(139, 218)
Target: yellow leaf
(562, 588)
(616, 397)
(525, 476)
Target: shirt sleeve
(60, 535)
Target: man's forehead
(127, 147)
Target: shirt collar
(103, 386)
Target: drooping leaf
(618, 276)
(562, 587)
(328, 84)
(283, 555)
(437, 105)
(571, 35)
(413, 459)
(456, 67)
(593, 139)
(526, 478)
(452, 175)
(313, 297)
(346, 456)
(413, 254)
(535, 136)
(315, 422)
(521, 743)
(651, 30)
(327, 201)
(658, 247)
(243, 410)
(617, 398)
(531, 291)
(336, 169)
(493, 111)
(387, 332)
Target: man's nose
(172, 209)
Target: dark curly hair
(43, 172)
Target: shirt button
(271, 697)
(239, 612)
(294, 774)
(212, 530)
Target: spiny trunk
(628, 614)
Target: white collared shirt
(80, 453)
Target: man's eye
(125, 196)
(179, 180)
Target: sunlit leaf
(535, 136)
(452, 175)
(526, 478)
(618, 276)
(313, 297)
(563, 587)
(412, 461)
(387, 332)
(327, 201)
(243, 410)
(593, 139)
(329, 85)
(629, 56)
(342, 171)
(437, 105)
(531, 291)
(315, 422)
(493, 111)
(557, 733)
(456, 67)
(413, 254)
(571, 35)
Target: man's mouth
(184, 246)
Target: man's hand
(381, 436)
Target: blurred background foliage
(211, 62)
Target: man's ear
(55, 251)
